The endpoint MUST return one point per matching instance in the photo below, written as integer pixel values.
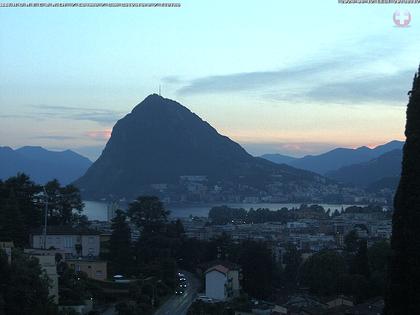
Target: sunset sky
(294, 77)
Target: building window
(68, 242)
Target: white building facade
(222, 282)
(73, 242)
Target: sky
(293, 77)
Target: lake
(98, 210)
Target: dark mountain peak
(151, 100)
(167, 122)
(157, 103)
(154, 96)
(160, 141)
(157, 111)
(363, 148)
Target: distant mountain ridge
(379, 171)
(279, 158)
(42, 165)
(338, 158)
(161, 140)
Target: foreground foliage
(23, 287)
(403, 296)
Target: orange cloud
(100, 134)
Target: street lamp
(45, 217)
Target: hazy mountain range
(334, 159)
(42, 165)
(161, 140)
(374, 169)
(279, 158)
(367, 174)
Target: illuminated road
(179, 304)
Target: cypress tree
(120, 253)
(403, 291)
(361, 260)
(12, 227)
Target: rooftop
(64, 230)
(221, 266)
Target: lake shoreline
(95, 210)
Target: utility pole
(45, 217)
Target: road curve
(179, 304)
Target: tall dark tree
(351, 241)
(64, 203)
(12, 226)
(257, 269)
(72, 287)
(149, 214)
(322, 273)
(156, 250)
(379, 254)
(360, 263)
(194, 252)
(5, 274)
(120, 251)
(20, 209)
(292, 259)
(24, 193)
(403, 295)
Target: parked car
(204, 299)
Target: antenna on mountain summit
(160, 90)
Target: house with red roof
(222, 281)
